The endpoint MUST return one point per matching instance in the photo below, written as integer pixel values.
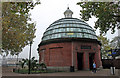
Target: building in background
(69, 42)
(9, 61)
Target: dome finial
(67, 6)
(68, 13)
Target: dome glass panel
(69, 28)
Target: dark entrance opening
(80, 61)
(91, 60)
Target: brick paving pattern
(104, 73)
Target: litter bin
(72, 69)
(112, 70)
(13, 69)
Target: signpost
(109, 55)
(112, 53)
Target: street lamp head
(30, 42)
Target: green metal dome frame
(69, 28)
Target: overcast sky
(48, 12)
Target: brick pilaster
(86, 61)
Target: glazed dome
(69, 27)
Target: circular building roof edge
(60, 40)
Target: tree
(22, 63)
(18, 28)
(108, 14)
(115, 43)
(43, 66)
(105, 46)
(33, 63)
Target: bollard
(72, 69)
(112, 70)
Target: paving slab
(104, 73)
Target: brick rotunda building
(69, 42)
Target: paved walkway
(102, 73)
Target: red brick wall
(56, 57)
(95, 48)
(57, 54)
(60, 54)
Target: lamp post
(29, 58)
(17, 60)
